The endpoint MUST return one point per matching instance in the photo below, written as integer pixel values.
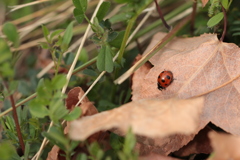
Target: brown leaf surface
(200, 65)
(152, 118)
(163, 145)
(156, 157)
(73, 97)
(200, 144)
(225, 146)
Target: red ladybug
(165, 78)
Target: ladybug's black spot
(158, 77)
(168, 77)
(163, 80)
(165, 85)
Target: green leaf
(104, 8)
(57, 137)
(5, 53)
(59, 81)
(82, 156)
(225, 4)
(45, 32)
(79, 15)
(96, 151)
(80, 5)
(236, 34)
(74, 114)
(118, 40)
(104, 59)
(116, 141)
(67, 36)
(44, 45)
(96, 26)
(37, 109)
(215, 20)
(55, 33)
(13, 86)
(2, 97)
(27, 150)
(6, 70)
(112, 36)
(73, 145)
(84, 5)
(129, 142)
(77, 4)
(10, 31)
(8, 151)
(57, 109)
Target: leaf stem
(15, 117)
(225, 23)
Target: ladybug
(165, 78)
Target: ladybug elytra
(165, 78)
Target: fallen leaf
(201, 66)
(164, 145)
(152, 118)
(73, 97)
(87, 108)
(200, 144)
(156, 157)
(225, 146)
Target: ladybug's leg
(160, 87)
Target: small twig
(225, 24)
(15, 117)
(194, 7)
(161, 16)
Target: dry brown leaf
(162, 146)
(73, 97)
(156, 157)
(200, 65)
(200, 144)
(87, 108)
(225, 146)
(152, 118)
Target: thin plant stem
(85, 65)
(194, 6)
(15, 117)
(169, 16)
(161, 15)
(225, 24)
